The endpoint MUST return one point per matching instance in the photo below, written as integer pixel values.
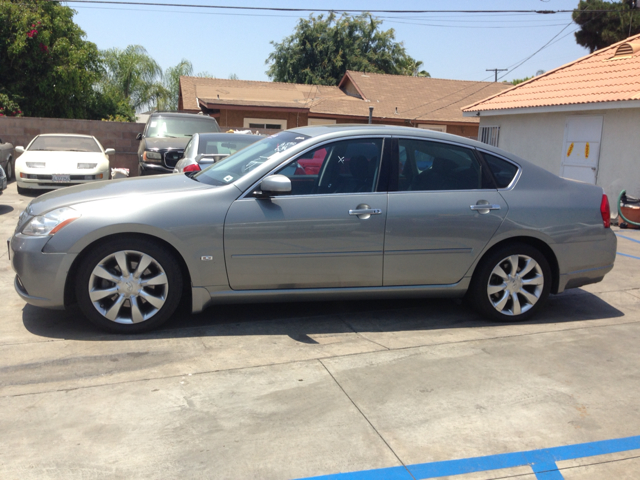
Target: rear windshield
(64, 144)
(238, 165)
(227, 147)
(180, 127)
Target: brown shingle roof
(594, 78)
(415, 98)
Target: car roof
(227, 136)
(181, 115)
(65, 135)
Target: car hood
(134, 187)
(163, 143)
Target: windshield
(180, 127)
(238, 165)
(65, 144)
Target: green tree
(46, 65)
(171, 83)
(601, 29)
(131, 74)
(321, 50)
(414, 69)
(520, 80)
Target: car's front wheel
(9, 171)
(129, 285)
(511, 283)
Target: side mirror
(139, 136)
(275, 185)
(110, 151)
(19, 149)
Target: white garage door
(581, 149)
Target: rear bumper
(582, 263)
(582, 277)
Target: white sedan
(59, 160)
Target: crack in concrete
(367, 419)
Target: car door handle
(365, 211)
(484, 208)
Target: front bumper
(45, 182)
(152, 168)
(40, 277)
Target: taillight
(605, 211)
(194, 167)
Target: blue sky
(454, 46)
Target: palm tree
(171, 84)
(135, 75)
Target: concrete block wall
(118, 135)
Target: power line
(324, 10)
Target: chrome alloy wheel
(128, 287)
(515, 285)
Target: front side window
(429, 166)
(348, 166)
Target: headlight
(153, 155)
(36, 164)
(87, 165)
(50, 222)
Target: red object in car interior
(605, 211)
(195, 168)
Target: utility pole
(496, 70)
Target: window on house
(489, 135)
(435, 128)
(271, 123)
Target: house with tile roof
(394, 99)
(580, 120)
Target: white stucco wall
(538, 137)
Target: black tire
(9, 171)
(134, 307)
(23, 191)
(526, 288)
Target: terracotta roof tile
(591, 79)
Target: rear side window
(502, 171)
(430, 166)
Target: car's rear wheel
(129, 286)
(511, 283)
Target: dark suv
(164, 138)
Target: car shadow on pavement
(4, 209)
(299, 320)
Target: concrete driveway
(402, 389)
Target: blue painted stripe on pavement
(627, 238)
(542, 461)
(508, 460)
(391, 473)
(547, 471)
(627, 255)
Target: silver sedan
(314, 213)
